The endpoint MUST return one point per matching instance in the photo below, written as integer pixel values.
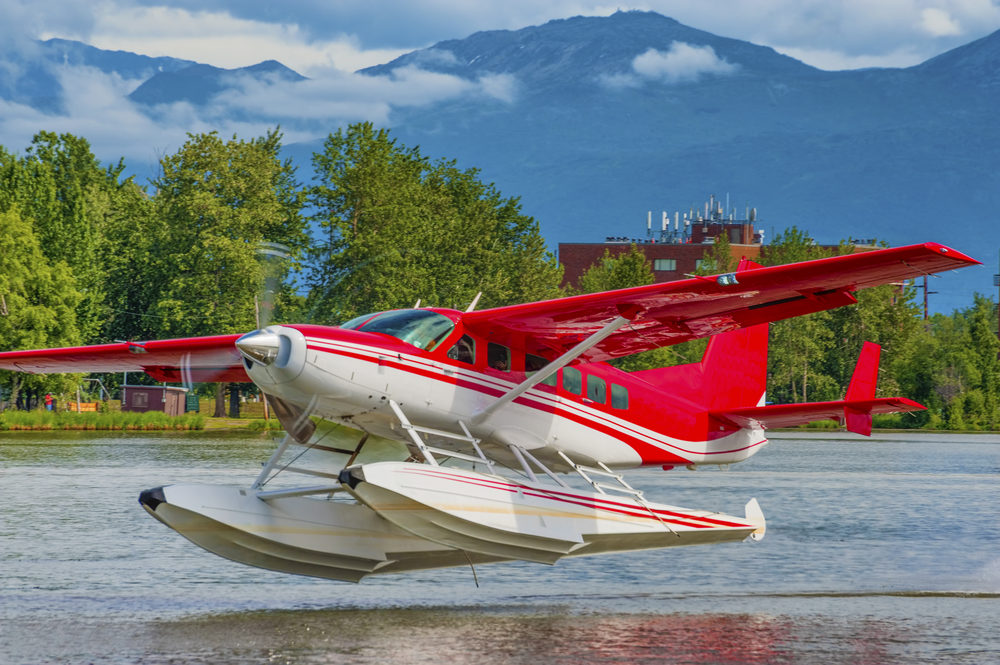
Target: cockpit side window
(422, 328)
(464, 350)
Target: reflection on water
(475, 635)
(881, 552)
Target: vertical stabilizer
(861, 389)
(735, 363)
(732, 372)
(734, 368)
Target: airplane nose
(259, 346)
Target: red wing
(184, 360)
(674, 312)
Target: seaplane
(431, 437)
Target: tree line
(949, 363)
(226, 238)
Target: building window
(667, 265)
(698, 263)
(619, 396)
(597, 389)
(572, 380)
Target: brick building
(677, 248)
(670, 261)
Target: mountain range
(595, 121)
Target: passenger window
(619, 396)
(572, 380)
(464, 350)
(597, 389)
(498, 357)
(533, 364)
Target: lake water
(880, 551)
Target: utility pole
(927, 292)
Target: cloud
(848, 34)
(681, 63)
(99, 113)
(343, 97)
(833, 60)
(939, 23)
(218, 38)
(435, 57)
(21, 21)
(501, 87)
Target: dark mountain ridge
(198, 83)
(581, 49)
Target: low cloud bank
(96, 107)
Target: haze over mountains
(595, 121)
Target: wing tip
(944, 250)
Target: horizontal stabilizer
(854, 413)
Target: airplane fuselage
(593, 412)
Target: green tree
(398, 229)
(54, 186)
(217, 205)
(797, 347)
(132, 234)
(617, 271)
(951, 366)
(38, 302)
(718, 259)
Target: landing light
(728, 279)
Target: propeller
(274, 261)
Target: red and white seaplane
(435, 437)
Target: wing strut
(553, 367)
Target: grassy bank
(64, 420)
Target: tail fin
(862, 389)
(732, 372)
(734, 368)
(855, 411)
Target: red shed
(168, 399)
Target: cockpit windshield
(422, 328)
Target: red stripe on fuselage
(649, 453)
